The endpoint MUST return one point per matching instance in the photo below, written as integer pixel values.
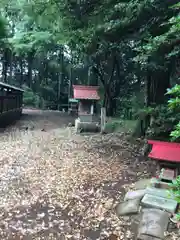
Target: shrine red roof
(166, 151)
(86, 92)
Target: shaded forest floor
(55, 184)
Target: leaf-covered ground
(55, 184)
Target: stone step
(128, 207)
(138, 194)
(154, 223)
(152, 201)
(159, 192)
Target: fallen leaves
(58, 185)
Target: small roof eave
(10, 87)
(86, 92)
(73, 100)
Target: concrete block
(128, 207)
(86, 126)
(160, 192)
(152, 201)
(135, 221)
(139, 194)
(154, 223)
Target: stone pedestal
(128, 207)
(157, 183)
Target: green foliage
(165, 118)
(119, 125)
(175, 189)
(28, 41)
(174, 104)
(147, 111)
(160, 46)
(3, 32)
(175, 134)
(175, 90)
(113, 126)
(163, 122)
(30, 98)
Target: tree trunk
(162, 83)
(60, 75)
(11, 67)
(21, 71)
(30, 66)
(147, 89)
(11, 57)
(107, 102)
(156, 87)
(109, 107)
(5, 65)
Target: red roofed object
(165, 151)
(86, 92)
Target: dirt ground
(55, 184)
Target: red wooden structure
(86, 92)
(165, 151)
(87, 97)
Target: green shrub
(174, 104)
(30, 98)
(113, 126)
(163, 121)
(176, 191)
(117, 125)
(175, 134)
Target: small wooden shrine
(88, 97)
